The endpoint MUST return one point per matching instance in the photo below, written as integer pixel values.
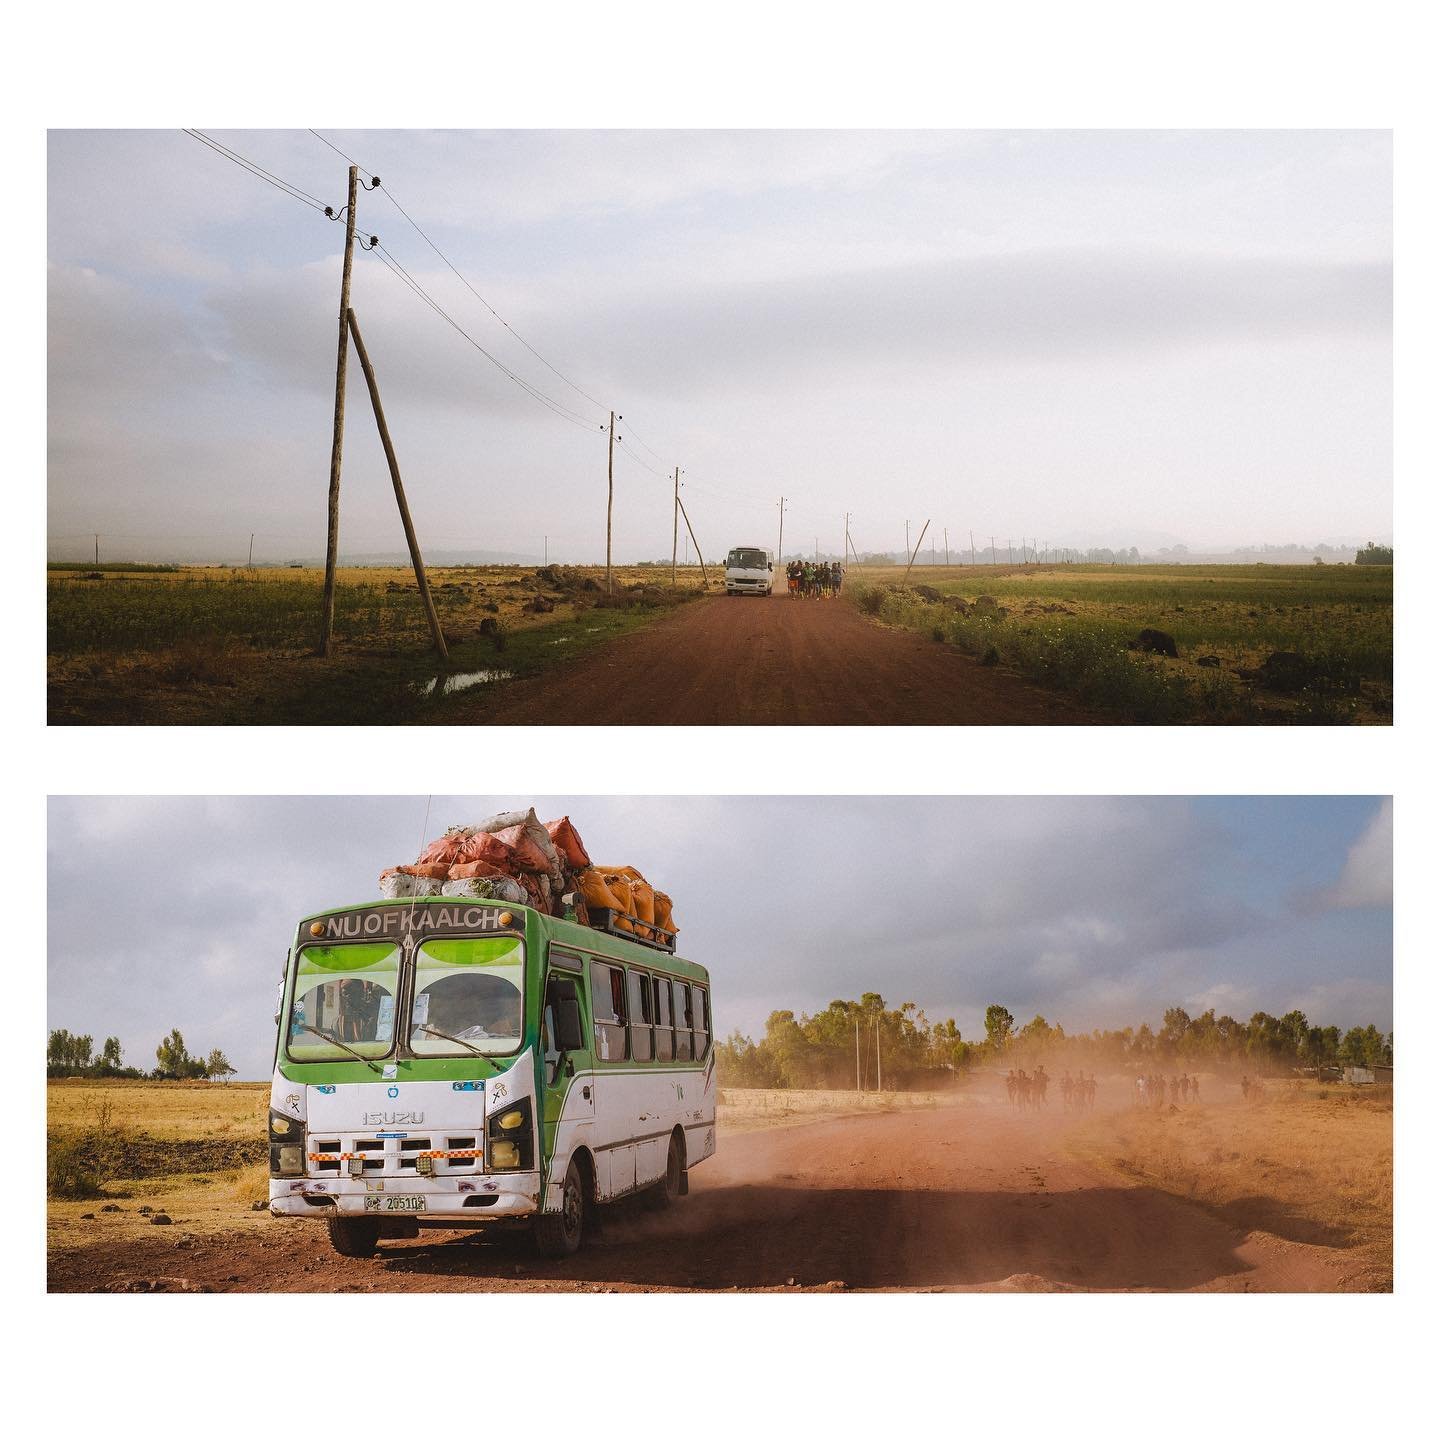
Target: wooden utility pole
(947, 549)
(993, 556)
(337, 439)
(250, 558)
(610, 505)
(704, 573)
(916, 550)
(97, 549)
(780, 543)
(675, 528)
(410, 540)
(972, 547)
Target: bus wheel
(669, 1190)
(558, 1236)
(356, 1238)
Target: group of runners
(1030, 1092)
(1151, 1090)
(814, 580)
(1252, 1089)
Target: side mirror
(569, 1034)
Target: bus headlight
(512, 1142)
(288, 1160)
(285, 1127)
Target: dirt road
(746, 661)
(964, 1198)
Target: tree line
(68, 1056)
(1264, 1042)
(863, 1042)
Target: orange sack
(473, 869)
(425, 872)
(566, 839)
(594, 891)
(447, 850)
(619, 887)
(664, 916)
(523, 850)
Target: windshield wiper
(315, 1030)
(474, 1049)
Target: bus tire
(355, 1236)
(670, 1189)
(559, 1236)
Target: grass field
(1312, 1163)
(196, 644)
(1070, 627)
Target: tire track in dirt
(747, 661)
(970, 1197)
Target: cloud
(1367, 879)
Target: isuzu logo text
(392, 1117)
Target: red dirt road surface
(970, 1197)
(747, 661)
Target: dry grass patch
(740, 1109)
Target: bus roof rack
(640, 933)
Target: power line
(389, 194)
(406, 278)
(259, 171)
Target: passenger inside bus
(472, 1008)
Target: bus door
(614, 1081)
(567, 1066)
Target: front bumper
(477, 1198)
(746, 587)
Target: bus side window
(702, 1023)
(642, 1017)
(664, 1022)
(682, 1020)
(607, 991)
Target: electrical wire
(259, 171)
(410, 219)
(406, 278)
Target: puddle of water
(453, 684)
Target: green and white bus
(443, 1063)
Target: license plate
(393, 1203)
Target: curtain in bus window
(642, 1018)
(664, 1034)
(682, 1020)
(607, 986)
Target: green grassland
(196, 645)
(1071, 627)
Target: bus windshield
(468, 997)
(347, 994)
(746, 560)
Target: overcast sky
(1083, 337)
(166, 911)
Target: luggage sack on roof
(515, 858)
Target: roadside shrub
(78, 1164)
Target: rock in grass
(1155, 642)
(1210, 662)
